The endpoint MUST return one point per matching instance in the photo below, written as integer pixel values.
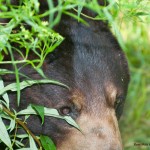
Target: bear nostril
(99, 132)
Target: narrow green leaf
(4, 134)
(12, 125)
(80, 7)
(28, 111)
(47, 143)
(76, 17)
(51, 113)
(40, 71)
(4, 33)
(72, 122)
(36, 5)
(39, 110)
(54, 113)
(141, 14)
(16, 73)
(32, 143)
(24, 149)
(5, 96)
(27, 83)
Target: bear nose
(99, 132)
(111, 138)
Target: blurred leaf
(80, 7)
(5, 71)
(47, 143)
(51, 15)
(39, 110)
(36, 5)
(4, 134)
(141, 14)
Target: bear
(94, 67)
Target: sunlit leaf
(51, 113)
(12, 124)
(32, 143)
(4, 34)
(80, 7)
(24, 149)
(27, 83)
(5, 95)
(4, 134)
(72, 122)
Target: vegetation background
(130, 23)
(134, 20)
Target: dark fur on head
(91, 62)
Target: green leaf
(4, 33)
(16, 73)
(72, 122)
(141, 14)
(47, 143)
(54, 113)
(24, 149)
(39, 110)
(47, 112)
(4, 134)
(28, 111)
(40, 71)
(32, 143)
(51, 113)
(12, 125)
(36, 5)
(76, 17)
(27, 83)
(22, 136)
(80, 7)
(5, 96)
(5, 71)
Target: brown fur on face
(97, 134)
(100, 129)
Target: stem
(15, 134)
(11, 114)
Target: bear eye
(118, 106)
(117, 102)
(65, 110)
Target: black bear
(91, 62)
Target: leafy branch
(21, 123)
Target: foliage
(129, 21)
(134, 20)
(23, 27)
